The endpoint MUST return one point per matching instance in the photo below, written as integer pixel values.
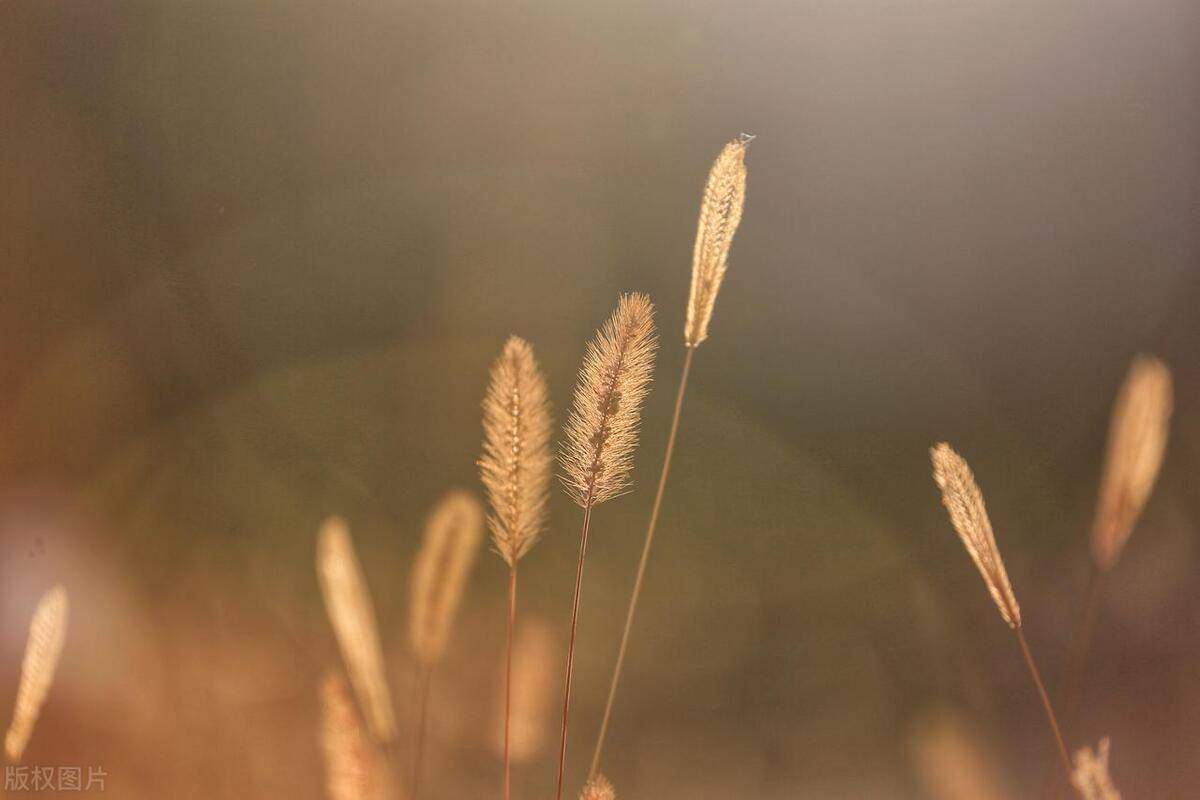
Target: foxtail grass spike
(47, 632)
(964, 502)
(602, 429)
(452, 537)
(720, 212)
(601, 435)
(515, 466)
(348, 603)
(1137, 440)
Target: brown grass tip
(964, 502)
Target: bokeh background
(256, 258)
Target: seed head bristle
(353, 769)
(47, 632)
(964, 503)
(515, 466)
(452, 537)
(1091, 777)
(598, 788)
(348, 603)
(602, 430)
(1137, 440)
(720, 213)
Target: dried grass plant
(601, 436)
(354, 769)
(1091, 776)
(448, 550)
(964, 502)
(47, 633)
(720, 212)
(348, 603)
(515, 470)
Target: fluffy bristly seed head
(1137, 440)
(348, 603)
(47, 632)
(1091, 777)
(720, 213)
(453, 534)
(598, 788)
(602, 430)
(353, 768)
(515, 466)
(964, 502)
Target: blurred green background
(256, 258)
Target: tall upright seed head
(515, 466)
(47, 632)
(720, 213)
(452, 536)
(1137, 440)
(598, 788)
(964, 502)
(348, 603)
(353, 769)
(602, 429)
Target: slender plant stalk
(508, 671)
(562, 741)
(1071, 684)
(601, 435)
(1037, 681)
(424, 681)
(641, 570)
